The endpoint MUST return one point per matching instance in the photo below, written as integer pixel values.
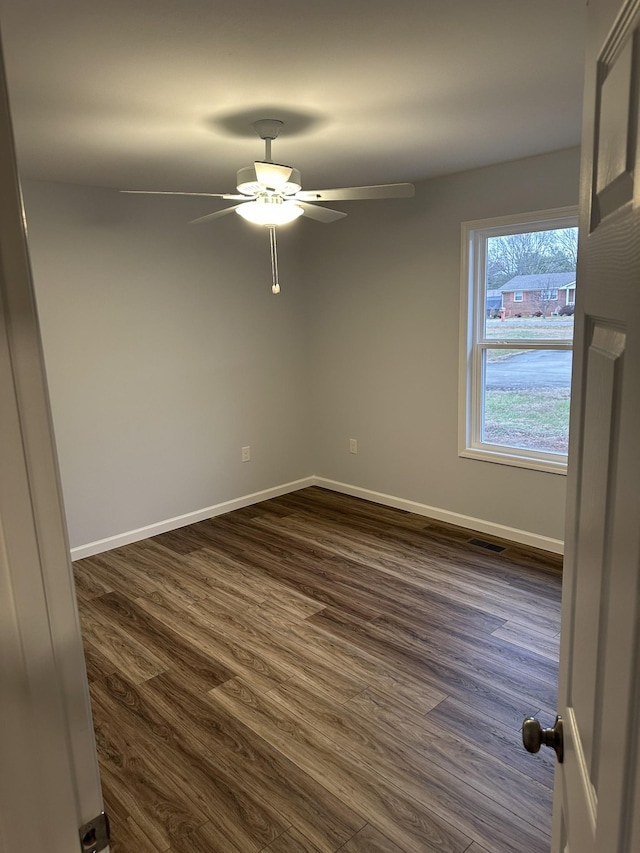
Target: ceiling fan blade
(321, 214)
(355, 193)
(272, 175)
(216, 215)
(228, 196)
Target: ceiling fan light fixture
(270, 210)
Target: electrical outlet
(246, 454)
(353, 445)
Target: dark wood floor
(319, 673)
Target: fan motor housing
(248, 184)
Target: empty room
(319, 495)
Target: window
(515, 366)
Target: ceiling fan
(271, 194)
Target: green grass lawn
(530, 328)
(537, 419)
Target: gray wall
(384, 291)
(166, 351)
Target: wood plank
(506, 665)
(152, 568)
(126, 834)
(88, 585)
(123, 651)
(303, 567)
(423, 768)
(542, 644)
(386, 807)
(158, 804)
(228, 652)
(115, 572)
(165, 644)
(282, 651)
(330, 504)
(503, 742)
(190, 781)
(204, 839)
(524, 568)
(126, 811)
(398, 590)
(344, 656)
(214, 576)
(466, 758)
(365, 514)
(231, 576)
(205, 727)
(292, 841)
(369, 840)
(462, 682)
(97, 664)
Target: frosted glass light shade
(270, 211)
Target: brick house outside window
(540, 294)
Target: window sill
(550, 466)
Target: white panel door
(598, 785)
(49, 782)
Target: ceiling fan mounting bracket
(268, 128)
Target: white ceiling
(159, 94)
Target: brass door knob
(534, 736)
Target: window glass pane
(526, 399)
(531, 276)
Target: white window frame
(518, 296)
(473, 342)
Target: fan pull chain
(275, 287)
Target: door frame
(49, 785)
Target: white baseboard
(189, 518)
(513, 534)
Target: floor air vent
(490, 546)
